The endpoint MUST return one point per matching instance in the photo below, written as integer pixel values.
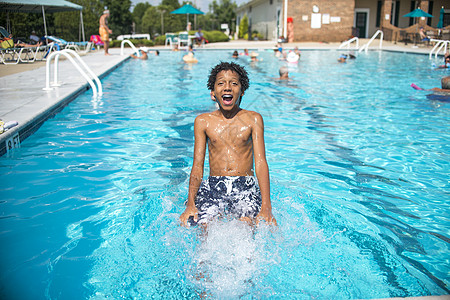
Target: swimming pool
(359, 178)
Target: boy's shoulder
(250, 114)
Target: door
(361, 24)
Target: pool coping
(32, 108)
(23, 99)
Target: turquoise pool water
(359, 176)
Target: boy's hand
(266, 215)
(188, 212)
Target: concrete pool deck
(24, 100)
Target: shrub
(255, 36)
(136, 42)
(211, 36)
(215, 36)
(160, 40)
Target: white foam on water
(231, 259)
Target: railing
(348, 42)
(68, 54)
(366, 46)
(122, 45)
(439, 43)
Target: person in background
(342, 58)
(423, 36)
(104, 30)
(34, 39)
(245, 52)
(284, 74)
(253, 56)
(190, 59)
(445, 86)
(235, 54)
(199, 38)
(143, 56)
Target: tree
(172, 3)
(67, 24)
(138, 12)
(121, 19)
(22, 24)
(150, 20)
(62, 24)
(243, 26)
(224, 12)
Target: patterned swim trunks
(238, 196)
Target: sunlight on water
(359, 180)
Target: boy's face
(227, 89)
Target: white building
(264, 16)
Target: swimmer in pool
(445, 87)
(445, 84)
(143, 56)
(235, 139)
(342, 58)
(284, 74)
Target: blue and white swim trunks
(238, 196)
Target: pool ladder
(135, 50)
(70, 54)
(439, 45)
(348, 42)
(366, 46)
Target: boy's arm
(197, 170)
(262, 170)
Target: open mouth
(227, 99)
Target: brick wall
(332, 32)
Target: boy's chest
(234, 133)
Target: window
(430, 11)
(379, 4)
(412, 7)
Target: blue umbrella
(187, 9)
(441, 18)
(418, 13)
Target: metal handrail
(122, 46)
(366, 46)
(442, 44)
(348, 42)
(68, 54)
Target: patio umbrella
(187, 9)
(441, 18)
(417, 13)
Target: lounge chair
(172, 39)
(63, 44)
(183, 39)
(11, 53)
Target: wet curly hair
(226, 66)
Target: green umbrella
(441, 18)
(187, 9)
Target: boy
(235, 136)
